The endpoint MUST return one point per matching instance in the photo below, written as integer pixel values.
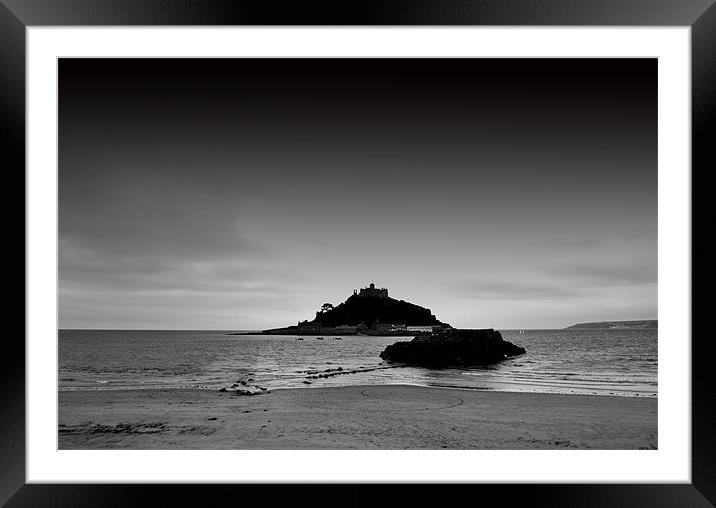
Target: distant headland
(627, 325)
(368, 311)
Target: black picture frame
(16, 15)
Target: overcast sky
(243, 194)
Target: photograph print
(378, 253)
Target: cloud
(154, 216)
(608, 274)
(562, 282)
(514, 290)
(91, 270)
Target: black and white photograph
(357, 253)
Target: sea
(611, 362)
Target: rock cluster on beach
(242, 387)
(452, 347)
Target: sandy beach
(353, 417)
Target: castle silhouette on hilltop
(372, 292)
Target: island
(620, 325)
(368, 311)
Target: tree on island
(326, 307)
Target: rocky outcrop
(452, 347)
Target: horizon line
(262, 329)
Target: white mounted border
(670, 463)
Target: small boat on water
(319, 338)
(337, 338)
(299, 338)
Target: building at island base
(390, 327)
(378, 328)
(386, 329)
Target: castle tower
(373, 292)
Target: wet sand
(354, 417)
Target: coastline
(388, 417)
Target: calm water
(599, 362)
